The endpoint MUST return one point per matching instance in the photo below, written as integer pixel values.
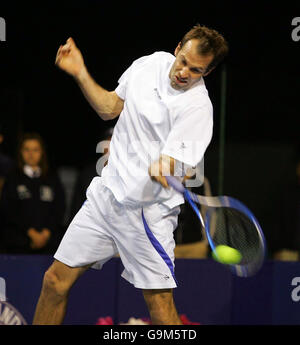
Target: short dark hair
(44, 160)
(210, 42)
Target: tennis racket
(228, 222)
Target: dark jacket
(31, 202)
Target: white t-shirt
(156, 119)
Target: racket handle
(174, 183)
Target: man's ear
(177, 49)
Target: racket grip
(174, 183)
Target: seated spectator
(32, 202)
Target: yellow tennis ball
(227, 255)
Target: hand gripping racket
(228, 222)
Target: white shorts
(103, 228)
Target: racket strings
(233, 228)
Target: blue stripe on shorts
(158, 247)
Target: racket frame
(245, 270)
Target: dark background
(262, 103)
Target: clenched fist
(69, 58)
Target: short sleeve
(121, 88)
(190, 135)
(125, 77)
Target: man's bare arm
(165, 166)
(161, 168)
(108, 105)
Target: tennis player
(165, 119)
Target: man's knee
(54, 285)
(59, 278)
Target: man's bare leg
(161, 307)
(52, 304)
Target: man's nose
(184, 73)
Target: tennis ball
(227, 255)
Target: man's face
(188, 66)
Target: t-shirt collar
(28, 171)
